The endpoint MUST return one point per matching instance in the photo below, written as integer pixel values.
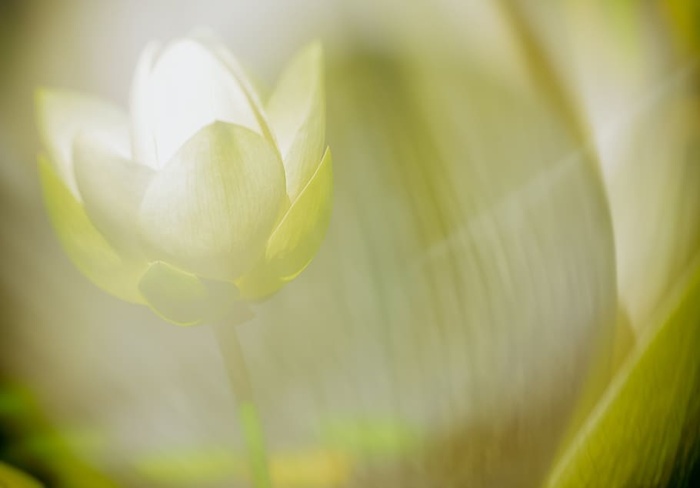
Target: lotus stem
(248, 417)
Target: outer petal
(84, 244)
(297, 115)
(61, 115)
(188, 89)
(183, 298)
(212, 208)
(297, 238)
(112, 188)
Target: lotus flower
(203, 197)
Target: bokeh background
(516, 221)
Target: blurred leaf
(198, 467)
(14, 401)
(638, 426)
(192, 467)
(684, 19)
(310, 469)
(370, 438)
(13, 478)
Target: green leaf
(213, 207)
(633, 433)
(296, 240)
(184, 299)
(62, 115)
(13, 478)
(297, 116)
(84, 244)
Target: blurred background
(511, 256)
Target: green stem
(248, 417)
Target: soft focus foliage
(650, 405)
(13, 478)
(505, 296)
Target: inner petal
(191, 88)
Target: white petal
(112, 188)
(189, 89)
(297, 115)
(215, 46)
(62, 115)
(212, 208)
(142, 117)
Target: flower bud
(203, 196)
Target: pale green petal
(84, 244)
(61, 115)
(112, 188)
(211, 210)
(143, 142)
(188, 89)
(297, 238)
(633, 434)
(297, 114)
(13, 478)
(184, 299)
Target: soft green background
(446, 330)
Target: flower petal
(61, 115)
(112, 188)
(188, 89)
(184, 299)
(210, 41)
(213, 207)
(84, 244)
(297, 238)
(142, 117)
(297, 115)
